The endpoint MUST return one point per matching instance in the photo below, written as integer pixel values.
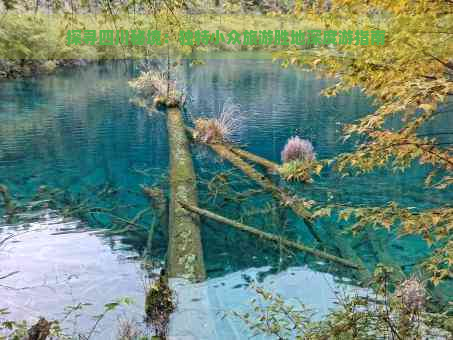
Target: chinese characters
(248, 37)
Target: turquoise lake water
(79, 132)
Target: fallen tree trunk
(185, 253)
(296, 205)
(345, 250)
(269, 165)
(270, 237)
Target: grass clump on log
(298, 205)
(298, 158)
(184, 253)
(220, 129)
(159, 86)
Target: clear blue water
(79, 132)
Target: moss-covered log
(271, 237)
(185, 254)
(269, 165)
(340, 242)
(297, 206)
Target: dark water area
(78, 131)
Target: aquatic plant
(220, 129)
(297, 149)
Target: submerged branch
(7, 201)
(159, 204)
(269, 165)
(270, 237)
(296, 205)
(8, 275)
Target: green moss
(159, 304)
(299, 171)
(185, 255)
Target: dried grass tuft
(220, 129)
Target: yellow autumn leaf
(427, 107)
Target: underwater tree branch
(296, 205)
(270, 237)
(8, 275)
